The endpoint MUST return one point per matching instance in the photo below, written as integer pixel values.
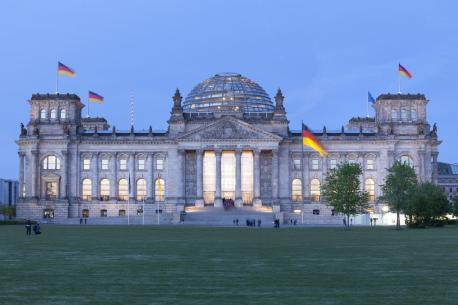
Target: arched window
(413, 115)
(296, 190)
(63, 114)
(406, 160)
(369, 187)
(53, 114)
(104, 189)
(141, 189)
(159, 188)
(43, 114)
(87, 189)
(315, 189)
(403, 114)
(394, 114)
(51, 162)
(123, 190)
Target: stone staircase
(219, 217)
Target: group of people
(253, 222)
(228, 203)
(36, 228)
(83, 219)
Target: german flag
(308, 139)
(403, 72)
(95, 98)
(65, 70)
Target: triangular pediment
(228, 128)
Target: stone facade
(72, 167)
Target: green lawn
(188, 265)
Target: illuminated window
(369, 186)
(87, 189)
(51, 162)
(141, 164)
(63, 114)
(159, 190)
(53, 114)
(123, 164)
(247, 176)
(43, 114)
(296, 190)
(104, 189)
(369, 164)
(86, 164)
(141, 189)
(123, 190)
(228, 175)
(51, 190)
(209, 177)
(159, 164)
(315, 190)
(406, 160)
(333, 164)
(105, 164)
(315, 164)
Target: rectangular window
(370, 164)
(86, 164)
(51, 190)
(104, 164)
(315, 164)
(297, 164)
(333, 164)
(159, 164)
(141, 164)
(123, 164)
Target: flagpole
(143, 212)
(367, 107)
(88, 103)
(57, 77)
(302, 164)
(128, 205)
(399, 81)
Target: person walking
(28, 227)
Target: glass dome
(228, 92)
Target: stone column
(199, 171)
(181, 177)
(238, 178)
(257, 178)
(63, 189)
(96, 183)
(275, 180)
(34, 174)
(21, 174)
(132, 177)
(421, 175)
(218, 200)
(150, 179)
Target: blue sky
(325, 56)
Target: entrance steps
(221, 217)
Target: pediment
(228, 128)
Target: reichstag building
(228, 141)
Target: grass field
(189, 265)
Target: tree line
(423, 203)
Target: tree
(428, 206)
(455, 206)
(8, 210)
(398, 188)
(342, 190)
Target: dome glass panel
(228, 92)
